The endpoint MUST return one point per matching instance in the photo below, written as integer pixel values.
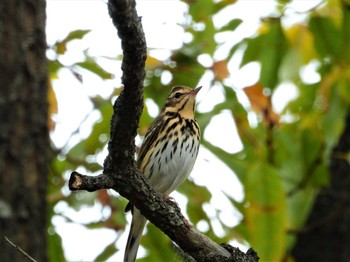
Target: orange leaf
(220, 70)
(261, 104)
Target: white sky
(162, 25)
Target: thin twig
(20, 250)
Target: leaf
(346, 30)
(55, 251)
(252, 50)
(54, 66)
(232, 25)
(91, 65)
(272, 53)
(332, 123)
(299, 206)
(77, 34)
(328, 38)
(152, 63)
(99, 134)
(61, 46)
(199, 195)
(261, 104)
(265, 214)
(269, 48)
(219, 5)
(301, 39)
(201, 10)
(284, 2)
(233, 161)
(157, 244)
(79, 200)
(220, 70)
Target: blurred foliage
(285, 154)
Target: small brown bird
(167, 154)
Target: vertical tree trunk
(24, 141)
(326, 236)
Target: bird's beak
(194, 92)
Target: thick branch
(120, 172)
(128, 107)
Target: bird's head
(182, 100)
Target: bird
(167, 154)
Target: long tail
(138, 223)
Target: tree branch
(120, 172)
(20, 250)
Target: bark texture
(24, 141)
(326, 235)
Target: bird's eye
(177, 95)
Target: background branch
(120, 172)
(20, 250)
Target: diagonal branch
(120, 172)
(20, 250)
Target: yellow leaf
(264, 28)
(302, 40)
(152, 63)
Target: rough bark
(24, 140)
(120, 172)
(326, 235)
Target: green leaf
(54, 66)
(201, 10)
(219, 5)
(252, 50)
(157, 244)
(55, 250)
(284, 2)
(272, 54)
(199, 196)
(61, 46)
(328, 38)
(100, 131)
(332, 123)
(77, 34)
(232, 25)
(299, 206)
(239, 205)
(91, 65)
(346, 31)
(269, 49)
(265, 213)
(233, 161)
(79, 200)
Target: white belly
(172, 167)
